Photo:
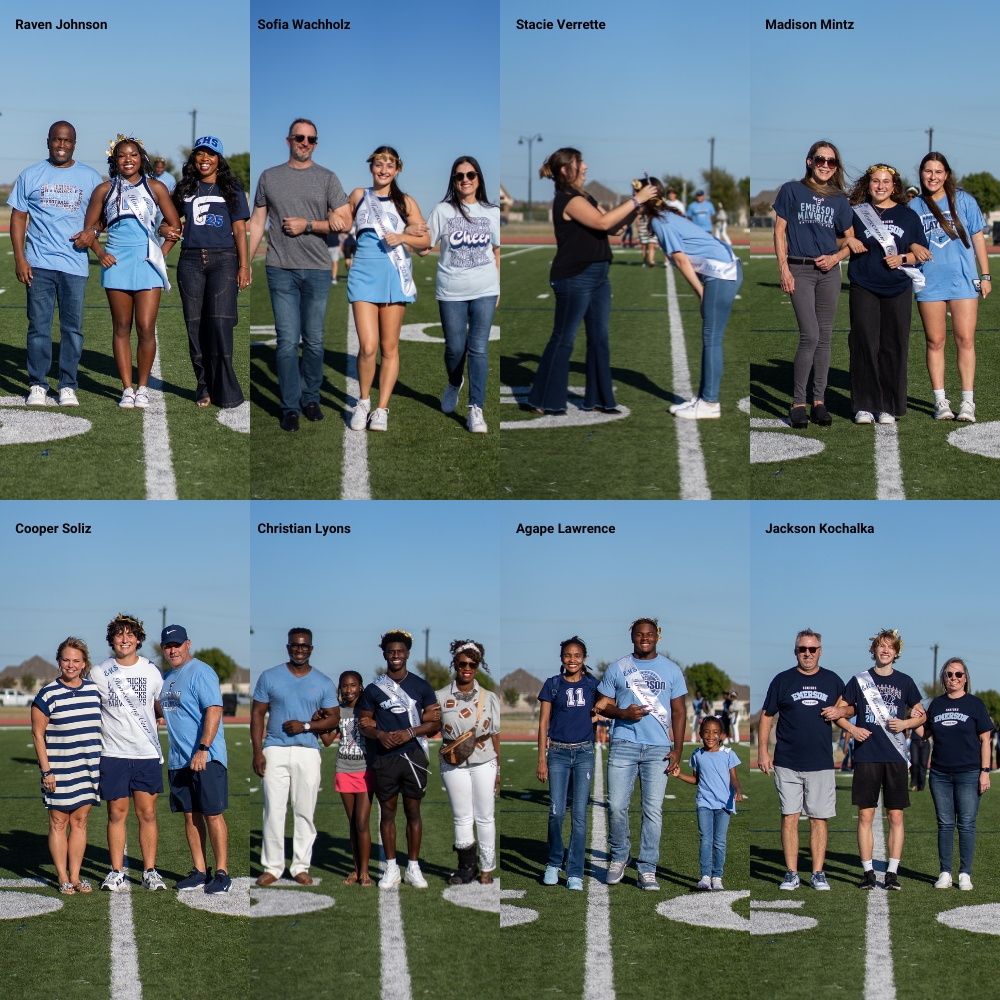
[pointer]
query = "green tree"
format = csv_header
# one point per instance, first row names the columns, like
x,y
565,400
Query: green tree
x,y
745,190
991,699
239,163
722,187
511,696
598,668
222,663
707,678
435,673
679,184
28,682
985,188
931,690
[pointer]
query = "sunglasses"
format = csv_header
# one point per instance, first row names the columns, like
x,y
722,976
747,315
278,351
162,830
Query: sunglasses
x,y
470,176
311,139
300,645
807,649
951,673
825,161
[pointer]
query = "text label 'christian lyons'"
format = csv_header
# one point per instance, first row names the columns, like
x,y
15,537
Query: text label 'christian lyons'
x,y
303,529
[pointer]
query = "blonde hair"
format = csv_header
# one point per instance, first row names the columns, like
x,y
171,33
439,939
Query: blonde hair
x,y
78,644
947,664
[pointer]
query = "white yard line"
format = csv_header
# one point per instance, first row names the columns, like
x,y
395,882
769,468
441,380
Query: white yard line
x,y
598,978
888,471
395,969
354,472
880,983
125,982
160,482
694,480
514,253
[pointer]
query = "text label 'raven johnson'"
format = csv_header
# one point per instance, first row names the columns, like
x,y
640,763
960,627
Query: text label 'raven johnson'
x,y
820,529
565,529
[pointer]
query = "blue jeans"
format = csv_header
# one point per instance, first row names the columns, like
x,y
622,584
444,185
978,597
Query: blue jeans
x,y
715,308
298,300
713,824
47,288
956,796
625,761
563,764
476,316
587,298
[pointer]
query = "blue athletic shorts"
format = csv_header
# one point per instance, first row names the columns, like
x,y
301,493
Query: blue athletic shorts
x,y
205,792
121,776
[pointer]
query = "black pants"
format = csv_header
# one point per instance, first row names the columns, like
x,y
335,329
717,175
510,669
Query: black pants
x,y
208,283
920,754
879,341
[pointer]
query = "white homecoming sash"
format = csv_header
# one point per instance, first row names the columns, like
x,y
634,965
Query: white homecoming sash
x,y
638,686
400,697
124,692
870,218
724,271
140,208
875,702
398,255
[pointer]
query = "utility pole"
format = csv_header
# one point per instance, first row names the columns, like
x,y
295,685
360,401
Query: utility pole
x,y
163,618
529,140
194,125
934,676
711,164
930,149
427,646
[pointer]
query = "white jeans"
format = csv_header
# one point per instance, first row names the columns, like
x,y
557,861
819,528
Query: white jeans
x,y
295,769
470,790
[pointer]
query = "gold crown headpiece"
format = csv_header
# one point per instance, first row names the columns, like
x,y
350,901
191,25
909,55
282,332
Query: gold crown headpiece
x,y
129,620
399,164
112,143
658,201
885,633
653,621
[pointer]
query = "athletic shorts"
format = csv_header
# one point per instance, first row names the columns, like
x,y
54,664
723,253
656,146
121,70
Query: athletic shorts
x,y
813,794
355,781
891,778
334,253
121,776
396,775
205,792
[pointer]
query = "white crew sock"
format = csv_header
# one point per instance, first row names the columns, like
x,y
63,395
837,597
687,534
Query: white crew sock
x,y
938,395
390,863
413,865
967,395
867,865
893,865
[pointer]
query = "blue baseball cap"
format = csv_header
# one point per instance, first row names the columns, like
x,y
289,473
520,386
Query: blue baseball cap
x,y
173,633
210,143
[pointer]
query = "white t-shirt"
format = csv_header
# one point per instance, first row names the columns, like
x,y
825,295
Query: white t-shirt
x,y
468,268
122,734
676,203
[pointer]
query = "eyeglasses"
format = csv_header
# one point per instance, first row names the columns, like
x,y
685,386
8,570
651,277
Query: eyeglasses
x,y
470,176
311,139
299,645
825,161
951,673
804,650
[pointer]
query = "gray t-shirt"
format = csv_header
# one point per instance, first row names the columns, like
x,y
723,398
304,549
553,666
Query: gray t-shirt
x,y
353,754
305,194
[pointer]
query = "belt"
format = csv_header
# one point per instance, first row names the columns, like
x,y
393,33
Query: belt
x,y
801,260
556,745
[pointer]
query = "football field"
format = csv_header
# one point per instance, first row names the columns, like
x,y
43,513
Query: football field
x,y
130,945
97,451
674,944
918,458
918,942
642,453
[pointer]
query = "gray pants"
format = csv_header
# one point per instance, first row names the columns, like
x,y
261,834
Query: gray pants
x,y
815,303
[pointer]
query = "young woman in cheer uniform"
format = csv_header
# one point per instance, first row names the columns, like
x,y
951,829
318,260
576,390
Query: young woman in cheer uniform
x,y
133,269
953,225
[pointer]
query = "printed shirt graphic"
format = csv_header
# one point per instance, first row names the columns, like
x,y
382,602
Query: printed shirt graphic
x,y
956,725
389,716
950,274
353,753
814,221
700,213
467,268
899,694
569,721
664,680
122,735
56,200
715,790
458,715
804,739
868,269
185,695
207,219
291,697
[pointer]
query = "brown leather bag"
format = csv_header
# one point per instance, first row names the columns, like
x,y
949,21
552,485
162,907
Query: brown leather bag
x,y
460,750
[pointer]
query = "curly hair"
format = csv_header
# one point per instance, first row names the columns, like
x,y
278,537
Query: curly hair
x,y
886,635
145,167
78,644
396,635
126,623
861,190
227,182
475,651
710,718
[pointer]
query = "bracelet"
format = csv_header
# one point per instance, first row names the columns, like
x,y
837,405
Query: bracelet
x,y
45,774
636,203
985,277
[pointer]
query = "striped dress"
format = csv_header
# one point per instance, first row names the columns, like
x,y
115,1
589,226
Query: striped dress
x,y
73,743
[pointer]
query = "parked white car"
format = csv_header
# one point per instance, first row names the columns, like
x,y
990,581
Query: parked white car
x,y
11,697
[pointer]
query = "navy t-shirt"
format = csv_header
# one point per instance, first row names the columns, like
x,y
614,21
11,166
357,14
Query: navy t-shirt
x,y
571,708
390,715
869,269
956,725
208,223
814,220
804,740
899,693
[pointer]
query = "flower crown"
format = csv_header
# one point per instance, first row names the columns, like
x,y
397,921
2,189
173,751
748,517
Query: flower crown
x,y
113,143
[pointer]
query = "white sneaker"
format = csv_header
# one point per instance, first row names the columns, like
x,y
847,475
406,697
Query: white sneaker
x,y
886,418
647,881
967,411
151,880
414,876
359,418
705,883
698,409
379,420
944,881
717,883
942,410
128,399
115,881
964,882
475,423
449,399
37,395
142,397
863,417
391,878
67,397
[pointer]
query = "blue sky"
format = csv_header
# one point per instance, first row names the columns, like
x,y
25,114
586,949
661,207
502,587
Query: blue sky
x,y
646,93
930,571
90,82
419,77
190,557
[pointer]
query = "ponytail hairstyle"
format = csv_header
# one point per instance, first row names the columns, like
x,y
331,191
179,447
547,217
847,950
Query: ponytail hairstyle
x,y
949,190
475,651
574,641
835,185
81,646
568,158
397,196
657,206
861,190
452,196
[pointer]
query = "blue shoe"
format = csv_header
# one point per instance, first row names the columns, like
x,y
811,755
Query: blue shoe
x,y
193,880
575,883
551,876
221,882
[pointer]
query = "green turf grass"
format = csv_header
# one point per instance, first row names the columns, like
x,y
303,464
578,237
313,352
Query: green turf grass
x,y
634,458
336,952
426,454
183,953
653,956
106,463
929,958
932,468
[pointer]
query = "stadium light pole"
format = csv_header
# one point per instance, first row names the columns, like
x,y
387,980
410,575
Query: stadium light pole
x,y
529,140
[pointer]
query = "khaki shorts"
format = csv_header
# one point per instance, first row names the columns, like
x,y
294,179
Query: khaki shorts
x,y
811,793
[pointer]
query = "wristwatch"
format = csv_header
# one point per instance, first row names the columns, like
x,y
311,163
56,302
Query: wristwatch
x,y
307,726
201,746
309,226
986,769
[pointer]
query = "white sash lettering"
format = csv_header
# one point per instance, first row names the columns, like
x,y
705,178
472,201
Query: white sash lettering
x,y
398,254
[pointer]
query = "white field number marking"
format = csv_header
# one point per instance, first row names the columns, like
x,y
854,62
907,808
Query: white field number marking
x,y
715,909
245,899
575,416
776,447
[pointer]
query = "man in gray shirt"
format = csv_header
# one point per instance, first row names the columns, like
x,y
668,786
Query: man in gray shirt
x,y
297,200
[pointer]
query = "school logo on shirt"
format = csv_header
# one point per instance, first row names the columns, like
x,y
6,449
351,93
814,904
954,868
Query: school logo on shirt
x,y
200,214
138,686
809,696
951,718
470,241
68,197
816,212
654,681
170,700
936,236
891,695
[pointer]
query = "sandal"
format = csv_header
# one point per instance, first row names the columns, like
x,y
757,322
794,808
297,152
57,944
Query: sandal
x,y
204,401
66,888
486,878
364,879
83,886
351,879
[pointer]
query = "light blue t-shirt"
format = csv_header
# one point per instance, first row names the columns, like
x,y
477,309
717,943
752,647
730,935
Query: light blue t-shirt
x,y
949,275
715,790
677,234
56,200
700,213
291,697
185,695
663,678
166,178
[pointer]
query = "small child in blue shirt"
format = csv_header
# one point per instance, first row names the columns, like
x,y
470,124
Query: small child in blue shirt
x,y
714,767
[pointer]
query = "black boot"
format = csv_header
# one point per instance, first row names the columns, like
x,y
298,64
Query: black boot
x,y
466,870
